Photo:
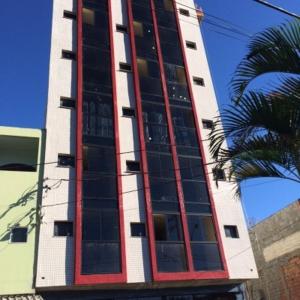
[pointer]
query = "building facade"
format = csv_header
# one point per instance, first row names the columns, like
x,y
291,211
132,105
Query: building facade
x,y
134,203
21,152
276,246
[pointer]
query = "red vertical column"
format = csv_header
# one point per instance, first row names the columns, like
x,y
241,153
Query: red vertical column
x,y
144,164
214,216
78,212
173,144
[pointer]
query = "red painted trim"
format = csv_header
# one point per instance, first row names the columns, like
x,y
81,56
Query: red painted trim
x,y
143,155
173,148
214,215
195,275
97,278
78,212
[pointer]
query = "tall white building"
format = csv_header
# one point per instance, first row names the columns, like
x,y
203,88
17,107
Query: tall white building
x,y
132,209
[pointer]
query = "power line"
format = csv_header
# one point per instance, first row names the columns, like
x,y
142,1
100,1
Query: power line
x,y
278,8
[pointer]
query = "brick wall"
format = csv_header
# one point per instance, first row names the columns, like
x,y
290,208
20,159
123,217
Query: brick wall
x,y
276,247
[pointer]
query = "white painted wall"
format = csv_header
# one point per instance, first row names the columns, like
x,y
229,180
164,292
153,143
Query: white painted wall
x,y
55,254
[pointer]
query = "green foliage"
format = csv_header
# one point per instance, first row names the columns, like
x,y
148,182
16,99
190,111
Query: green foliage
x,y
262,127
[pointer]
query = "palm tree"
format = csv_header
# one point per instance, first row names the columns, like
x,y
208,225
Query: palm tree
x,y
262,126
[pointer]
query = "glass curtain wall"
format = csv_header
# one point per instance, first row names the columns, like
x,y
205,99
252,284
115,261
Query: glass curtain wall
x,y
169,243
202,235
100,215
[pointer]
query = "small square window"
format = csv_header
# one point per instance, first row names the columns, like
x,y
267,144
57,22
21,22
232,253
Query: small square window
x,y
67,102
207,124
125,67
69,15
121,28
68,54
18,235
138,229
133,166
184,12
128,112
231,231
198,81
63,228
66,160
191,45
219,174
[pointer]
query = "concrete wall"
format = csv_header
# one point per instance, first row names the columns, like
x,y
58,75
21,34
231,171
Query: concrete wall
x,y
276,245
55,259
18,207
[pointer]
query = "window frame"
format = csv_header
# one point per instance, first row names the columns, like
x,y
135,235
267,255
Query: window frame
x,y
68,54
144,228
66,155
198,81
231,231
121,28
125,67
136,162
191,45
184,12
68,14
216,174
71,100
128,109
205,122
63,221
11,235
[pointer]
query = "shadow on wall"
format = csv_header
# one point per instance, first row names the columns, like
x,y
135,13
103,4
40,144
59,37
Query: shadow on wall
x,y
27,218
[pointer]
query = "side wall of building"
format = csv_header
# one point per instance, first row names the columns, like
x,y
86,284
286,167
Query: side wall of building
x,y
19,192
276,246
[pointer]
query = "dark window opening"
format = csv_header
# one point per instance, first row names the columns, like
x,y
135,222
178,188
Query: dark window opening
x,y
219,174
121,28
201,228
66,160
19,235
198,81
125,67
207,124
67,102
138,229
184,12
191,45
133,166
231,231
63,228
167,227
18,167
128,112
69,15
68,54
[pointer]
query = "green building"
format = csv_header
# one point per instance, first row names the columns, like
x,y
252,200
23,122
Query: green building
x,y
21,152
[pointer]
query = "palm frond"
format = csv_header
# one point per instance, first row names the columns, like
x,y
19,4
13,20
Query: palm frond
x,y
274,50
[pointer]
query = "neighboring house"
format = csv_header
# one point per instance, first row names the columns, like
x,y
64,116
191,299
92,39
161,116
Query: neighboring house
x,y
276,246
135,212
20,186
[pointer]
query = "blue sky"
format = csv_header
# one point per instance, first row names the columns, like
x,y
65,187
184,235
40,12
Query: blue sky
x,y
24,59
